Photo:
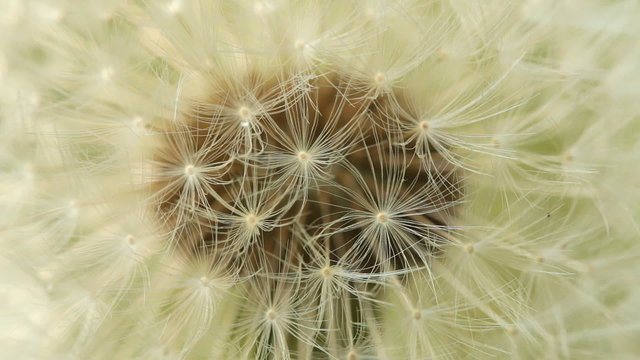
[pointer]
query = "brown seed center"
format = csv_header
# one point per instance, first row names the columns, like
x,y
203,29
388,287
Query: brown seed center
x,y
291,213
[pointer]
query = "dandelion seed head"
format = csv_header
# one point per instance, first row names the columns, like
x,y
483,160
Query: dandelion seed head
x,y
322,179
311,158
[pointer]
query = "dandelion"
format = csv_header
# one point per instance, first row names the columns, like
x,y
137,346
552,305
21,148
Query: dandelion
x,y
281,179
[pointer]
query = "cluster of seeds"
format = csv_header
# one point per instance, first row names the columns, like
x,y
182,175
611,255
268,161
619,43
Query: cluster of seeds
x,y
319,179
289,172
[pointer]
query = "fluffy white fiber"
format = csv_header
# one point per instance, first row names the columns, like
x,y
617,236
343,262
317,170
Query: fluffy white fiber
x,y
384,179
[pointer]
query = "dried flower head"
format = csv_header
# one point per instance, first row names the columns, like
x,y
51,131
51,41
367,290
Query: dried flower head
x,y
277,179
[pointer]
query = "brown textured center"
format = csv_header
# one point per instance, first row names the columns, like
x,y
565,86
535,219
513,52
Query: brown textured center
x,y
274,174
